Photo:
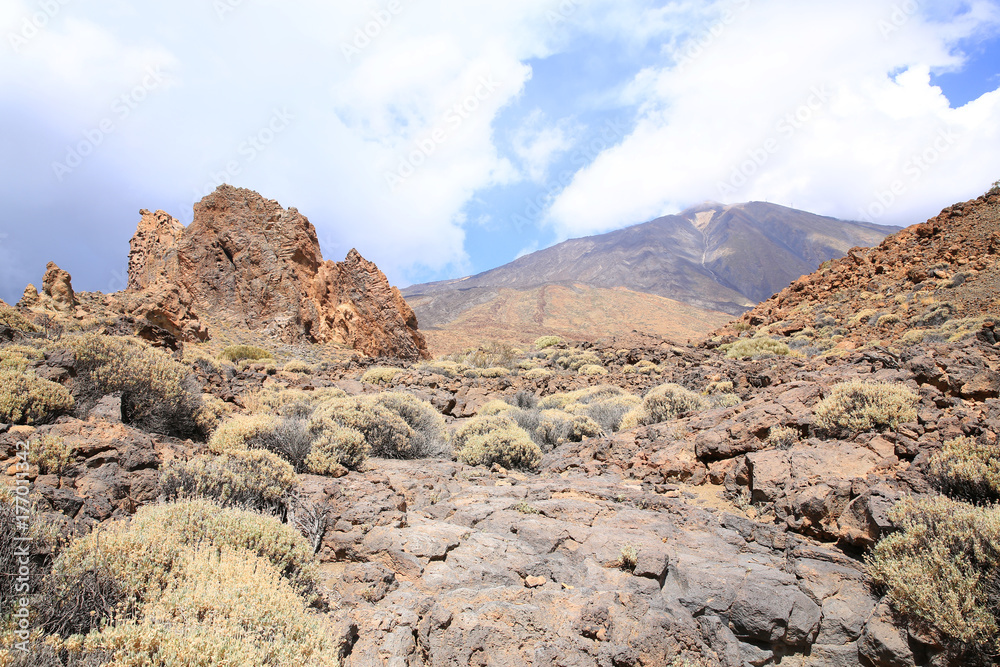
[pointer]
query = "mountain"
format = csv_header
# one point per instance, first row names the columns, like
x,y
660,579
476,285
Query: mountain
x,y
719,259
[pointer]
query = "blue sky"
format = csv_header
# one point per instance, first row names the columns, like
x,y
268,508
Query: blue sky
x,y
443,139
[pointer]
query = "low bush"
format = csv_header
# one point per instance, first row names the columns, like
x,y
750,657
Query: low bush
x,y
663,403
782,437
856,406
237,353
495,407
497,439
9,317
755,348
298,366
50,454
593,369
547,341
240,432
158,394
27,399
941,569
381,375
335,448
187,584
556,427
254,479
968,470
387,434
429,434
538,374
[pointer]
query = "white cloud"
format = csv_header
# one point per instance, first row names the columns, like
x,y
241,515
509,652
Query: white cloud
x,y
537,143
722,117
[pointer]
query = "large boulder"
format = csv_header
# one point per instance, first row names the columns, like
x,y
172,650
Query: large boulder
x,y
250,263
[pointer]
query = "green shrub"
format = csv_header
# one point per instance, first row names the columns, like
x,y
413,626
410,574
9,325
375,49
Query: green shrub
x,y
942,569
755,348
381,375
26,399
335,448
9,317
237,353
158,394
856,406
189,584
967,470
254,479
663,403
497,439
547,341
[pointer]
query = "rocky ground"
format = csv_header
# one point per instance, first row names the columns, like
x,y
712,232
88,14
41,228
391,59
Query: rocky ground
x,y
702,540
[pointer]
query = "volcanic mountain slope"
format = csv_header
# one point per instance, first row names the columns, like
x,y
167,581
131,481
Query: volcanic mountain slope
x,y
721,259
935,281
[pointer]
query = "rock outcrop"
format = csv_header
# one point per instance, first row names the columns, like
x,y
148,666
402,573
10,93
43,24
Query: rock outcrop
x,y
57,286
248,263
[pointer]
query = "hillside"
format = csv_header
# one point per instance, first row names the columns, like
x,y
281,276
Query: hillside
x,y
717,257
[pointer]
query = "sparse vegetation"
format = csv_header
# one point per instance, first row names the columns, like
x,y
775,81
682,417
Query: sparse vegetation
x,y
497,439
381,374
27,399
253,479
782,437
856,406
50,454
755,348
9,317
237,353
967,470
547,341
942,568
158,394
663,403
628,558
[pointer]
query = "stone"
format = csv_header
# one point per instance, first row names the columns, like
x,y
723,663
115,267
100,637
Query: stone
x,y
58,289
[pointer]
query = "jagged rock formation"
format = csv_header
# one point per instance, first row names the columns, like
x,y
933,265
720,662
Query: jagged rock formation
x,y
246,262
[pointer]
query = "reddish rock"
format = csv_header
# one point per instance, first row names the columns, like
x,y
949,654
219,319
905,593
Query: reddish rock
x,y
57,287
249,263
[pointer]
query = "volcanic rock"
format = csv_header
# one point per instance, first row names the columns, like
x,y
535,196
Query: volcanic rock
x,y
252,264
57,287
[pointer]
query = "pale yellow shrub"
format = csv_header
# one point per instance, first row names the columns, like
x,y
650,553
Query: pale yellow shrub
x,y
755,348
495,407
546,341
939,569
966,469
237,353
158,393
240,431
252,478
335,447
11,318
50,454
782,437
538,374
298,366
496,439
27,399
857,406
663,403
593,369
556,427
387,434
428,432
381,375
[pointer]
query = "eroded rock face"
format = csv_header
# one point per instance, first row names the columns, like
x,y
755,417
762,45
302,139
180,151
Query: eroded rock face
x,y
249,263
57,286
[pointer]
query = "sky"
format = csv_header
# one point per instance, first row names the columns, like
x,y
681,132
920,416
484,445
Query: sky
x,y
445,138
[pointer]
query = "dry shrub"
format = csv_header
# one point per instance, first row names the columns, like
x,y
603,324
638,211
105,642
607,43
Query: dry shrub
x,y
593,370
27,399
429,437
967,470
538,374
335,448
195,584
755,348
298,366
240,431
556,427
50,454
856,406
547,341
495,407
254,479
663,403
941,569
387,434
291,402
158,394
9,317
237,353
782,437
381,375
496,439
